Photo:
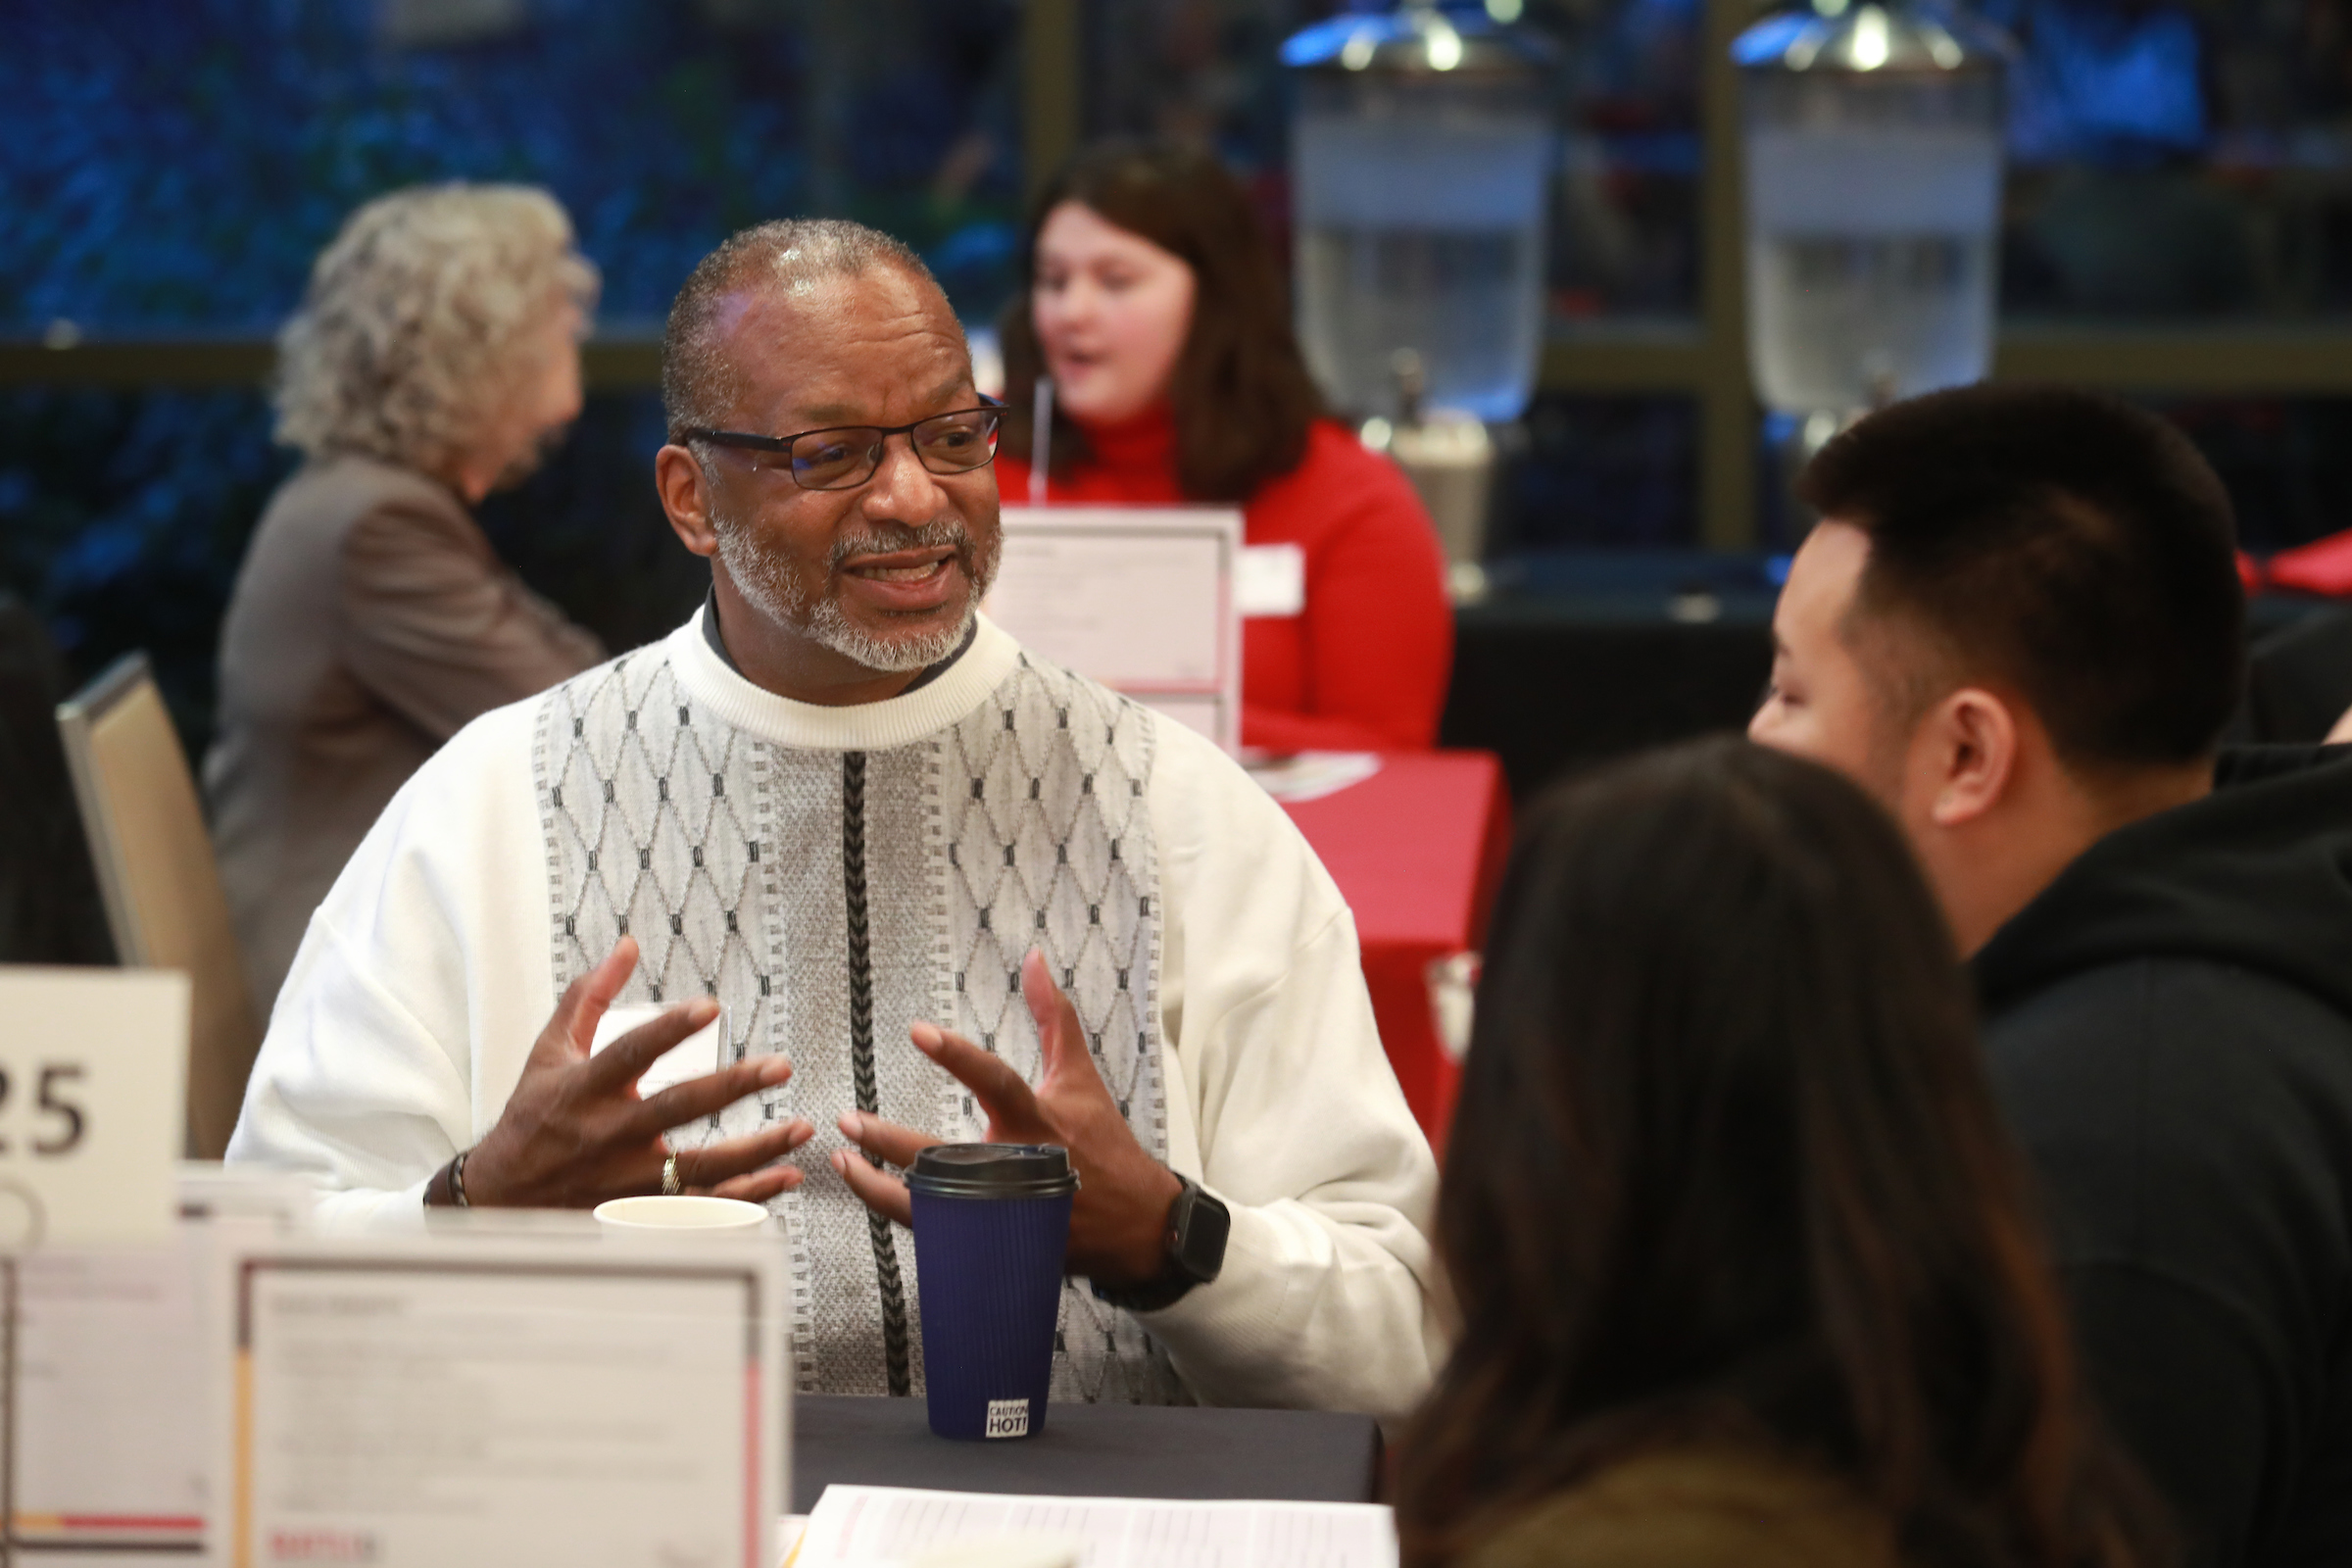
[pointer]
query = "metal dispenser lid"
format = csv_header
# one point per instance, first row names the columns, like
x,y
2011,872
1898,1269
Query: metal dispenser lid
x,y
1417,39
1846,36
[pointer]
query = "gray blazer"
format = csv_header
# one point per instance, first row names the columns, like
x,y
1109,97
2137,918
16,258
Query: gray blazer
x,y
369,622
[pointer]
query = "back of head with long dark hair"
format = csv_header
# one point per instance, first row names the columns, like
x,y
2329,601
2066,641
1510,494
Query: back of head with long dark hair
x,y
1726,1167
1242,396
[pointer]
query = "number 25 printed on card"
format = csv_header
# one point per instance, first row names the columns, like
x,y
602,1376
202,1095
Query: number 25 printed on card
x,y
93,1064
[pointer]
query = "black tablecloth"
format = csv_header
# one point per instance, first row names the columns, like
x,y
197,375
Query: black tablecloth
x,y
1555,687
1090,1451
1558,682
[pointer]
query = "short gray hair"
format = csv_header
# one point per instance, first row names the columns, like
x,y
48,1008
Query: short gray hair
x,y
791,253
407,335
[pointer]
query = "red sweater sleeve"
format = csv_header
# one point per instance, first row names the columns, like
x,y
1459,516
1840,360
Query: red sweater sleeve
x,y
1378,629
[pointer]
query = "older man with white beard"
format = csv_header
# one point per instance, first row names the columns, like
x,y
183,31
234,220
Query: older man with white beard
x,y
931,885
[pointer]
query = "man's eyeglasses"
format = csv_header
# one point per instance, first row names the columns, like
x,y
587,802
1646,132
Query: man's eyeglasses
x,y
845,455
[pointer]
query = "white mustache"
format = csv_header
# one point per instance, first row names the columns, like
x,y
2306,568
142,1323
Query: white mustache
x,y
940,533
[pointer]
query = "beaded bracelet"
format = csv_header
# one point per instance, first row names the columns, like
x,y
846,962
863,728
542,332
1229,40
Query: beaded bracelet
x,y
447,1189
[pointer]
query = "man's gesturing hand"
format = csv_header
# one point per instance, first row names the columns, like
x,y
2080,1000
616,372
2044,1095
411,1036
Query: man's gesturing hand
x,y
1118,1221
575,1132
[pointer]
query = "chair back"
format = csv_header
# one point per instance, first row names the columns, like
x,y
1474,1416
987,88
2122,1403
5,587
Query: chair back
x,y
161,885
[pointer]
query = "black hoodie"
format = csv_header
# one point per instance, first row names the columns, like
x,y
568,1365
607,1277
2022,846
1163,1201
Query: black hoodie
x,y
2170,1025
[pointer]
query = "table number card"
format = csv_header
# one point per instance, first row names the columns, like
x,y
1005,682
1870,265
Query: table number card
x,y
477,1403
1142,598
93,1064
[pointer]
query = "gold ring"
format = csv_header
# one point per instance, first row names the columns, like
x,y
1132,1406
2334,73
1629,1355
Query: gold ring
x,y
671,1187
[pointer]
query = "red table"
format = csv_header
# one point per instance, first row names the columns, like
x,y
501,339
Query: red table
x,y
1417,848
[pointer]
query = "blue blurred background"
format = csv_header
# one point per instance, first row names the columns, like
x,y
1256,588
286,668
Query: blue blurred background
x,y
168,169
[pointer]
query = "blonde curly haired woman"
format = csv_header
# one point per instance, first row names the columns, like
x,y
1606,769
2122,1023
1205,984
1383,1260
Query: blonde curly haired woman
x,y
434,358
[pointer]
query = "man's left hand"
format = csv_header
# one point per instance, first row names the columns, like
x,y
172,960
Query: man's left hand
x,y
1118,1221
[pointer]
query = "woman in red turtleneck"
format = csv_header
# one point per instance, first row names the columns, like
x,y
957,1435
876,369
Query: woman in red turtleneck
x,y
1155,306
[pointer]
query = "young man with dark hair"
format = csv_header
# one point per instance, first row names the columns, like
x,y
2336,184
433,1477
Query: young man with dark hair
x,y
2020,626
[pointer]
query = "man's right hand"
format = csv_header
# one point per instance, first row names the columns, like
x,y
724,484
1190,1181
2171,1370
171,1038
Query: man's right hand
x,y
575,1132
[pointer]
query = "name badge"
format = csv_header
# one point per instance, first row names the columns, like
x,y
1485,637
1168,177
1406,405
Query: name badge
x,y
695,1057
1270,580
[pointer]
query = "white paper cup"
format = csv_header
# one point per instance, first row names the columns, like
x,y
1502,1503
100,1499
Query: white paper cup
x,y
680,1213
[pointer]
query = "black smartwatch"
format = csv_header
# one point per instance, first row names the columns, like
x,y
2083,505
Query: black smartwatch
x,y
1197,1227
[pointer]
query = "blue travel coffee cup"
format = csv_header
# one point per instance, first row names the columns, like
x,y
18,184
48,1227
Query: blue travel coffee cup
x,y
991,1225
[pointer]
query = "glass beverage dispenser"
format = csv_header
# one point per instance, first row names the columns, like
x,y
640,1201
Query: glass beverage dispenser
x,y
1873,143
1419,163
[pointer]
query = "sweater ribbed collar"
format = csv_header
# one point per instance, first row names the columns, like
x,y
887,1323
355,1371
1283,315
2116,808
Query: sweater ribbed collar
x,y
898,720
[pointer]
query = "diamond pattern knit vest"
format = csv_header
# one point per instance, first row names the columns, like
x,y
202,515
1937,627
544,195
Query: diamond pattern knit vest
x,y
829,899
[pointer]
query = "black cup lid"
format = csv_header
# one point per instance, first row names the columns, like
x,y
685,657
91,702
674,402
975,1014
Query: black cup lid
x,y
993,1170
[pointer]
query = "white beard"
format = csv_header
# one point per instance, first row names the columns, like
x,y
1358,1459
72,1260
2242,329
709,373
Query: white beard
x,y
773,591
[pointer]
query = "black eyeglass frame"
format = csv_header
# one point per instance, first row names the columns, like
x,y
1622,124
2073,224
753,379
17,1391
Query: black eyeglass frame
x,y
783,444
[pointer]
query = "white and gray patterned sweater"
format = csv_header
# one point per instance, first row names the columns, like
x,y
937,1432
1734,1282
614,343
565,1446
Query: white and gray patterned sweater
x,y
828,900
833,874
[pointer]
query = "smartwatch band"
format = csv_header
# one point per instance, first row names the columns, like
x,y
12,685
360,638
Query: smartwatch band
x,y
1198,1224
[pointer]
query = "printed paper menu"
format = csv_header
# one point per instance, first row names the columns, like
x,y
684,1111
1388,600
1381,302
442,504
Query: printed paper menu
x,y
444,1410
114,1399
882,1527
